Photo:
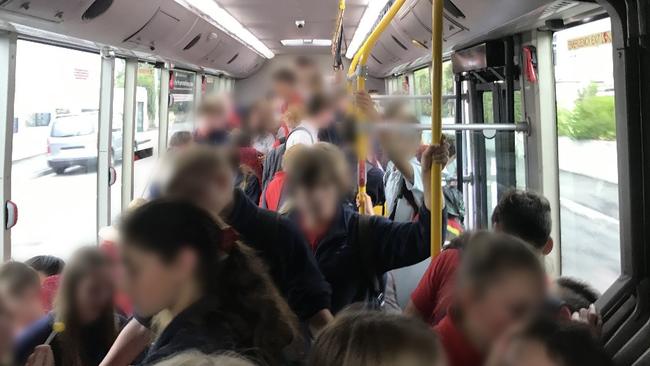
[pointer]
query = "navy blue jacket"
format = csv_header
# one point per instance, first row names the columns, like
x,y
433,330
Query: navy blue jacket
x,y
397,245
197,327
93,352
283,248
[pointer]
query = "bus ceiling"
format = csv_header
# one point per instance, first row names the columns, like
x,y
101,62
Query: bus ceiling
x,y
175,31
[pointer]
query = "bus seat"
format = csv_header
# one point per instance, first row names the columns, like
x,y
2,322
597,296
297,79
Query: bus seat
x,y
624,344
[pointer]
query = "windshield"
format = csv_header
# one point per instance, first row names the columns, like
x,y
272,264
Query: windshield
x,y
74,126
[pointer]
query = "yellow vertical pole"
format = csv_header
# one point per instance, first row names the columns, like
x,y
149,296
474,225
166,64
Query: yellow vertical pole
x,y
436,126
358,65
362,149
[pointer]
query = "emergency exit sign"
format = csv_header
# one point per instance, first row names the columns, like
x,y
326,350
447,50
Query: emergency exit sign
x,y
592,40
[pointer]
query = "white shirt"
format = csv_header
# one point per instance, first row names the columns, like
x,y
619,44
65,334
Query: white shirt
x,y
264,143
306,134
392,184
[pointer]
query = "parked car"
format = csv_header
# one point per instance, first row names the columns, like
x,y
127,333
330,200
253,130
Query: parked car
x,y
73,142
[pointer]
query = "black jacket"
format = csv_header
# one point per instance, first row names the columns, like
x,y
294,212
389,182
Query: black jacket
x,y
285,251
197,327
396,245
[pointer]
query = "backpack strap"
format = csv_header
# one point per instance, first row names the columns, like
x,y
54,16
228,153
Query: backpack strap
x,y
365,242
299,128
405,193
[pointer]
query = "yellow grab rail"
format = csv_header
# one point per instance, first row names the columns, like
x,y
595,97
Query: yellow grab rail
x,y
360,60
436,126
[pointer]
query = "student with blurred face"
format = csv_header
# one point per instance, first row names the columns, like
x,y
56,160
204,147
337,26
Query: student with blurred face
x,y
195,358
20,287
365,338
500,283
309,77
6,334
216,290
260,126
204,176
84,304
180,140
46,265
548,342
524,214
212,122
288,98
320,113
352,253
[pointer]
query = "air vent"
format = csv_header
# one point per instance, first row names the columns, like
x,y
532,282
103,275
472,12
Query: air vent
x,y
97,8
376,59
399,43
194,41
420,44
558,7
232,59
453,9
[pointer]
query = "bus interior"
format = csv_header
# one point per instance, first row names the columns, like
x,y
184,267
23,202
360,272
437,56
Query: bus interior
x,y
551,96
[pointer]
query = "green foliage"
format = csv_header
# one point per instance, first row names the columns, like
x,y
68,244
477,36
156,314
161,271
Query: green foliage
x,y
592,117
147,81
423,87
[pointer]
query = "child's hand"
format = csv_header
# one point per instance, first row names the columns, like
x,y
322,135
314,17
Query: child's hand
x,y
434,154
366,105
591,318
367,204
441,152
42,356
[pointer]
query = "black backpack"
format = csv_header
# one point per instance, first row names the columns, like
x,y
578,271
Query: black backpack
x,y
365,240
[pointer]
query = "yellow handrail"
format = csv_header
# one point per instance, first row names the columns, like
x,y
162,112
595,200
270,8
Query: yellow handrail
x,y
436,126
360,60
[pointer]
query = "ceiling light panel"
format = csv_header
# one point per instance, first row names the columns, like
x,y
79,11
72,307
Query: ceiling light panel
x,y
218,16
306,42
368,20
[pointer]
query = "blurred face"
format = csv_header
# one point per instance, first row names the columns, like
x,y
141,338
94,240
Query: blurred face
x,y
95,294
153,284
324,118
283,90
6,333
213,121
213,194
522,352
317,207
25,308
512,298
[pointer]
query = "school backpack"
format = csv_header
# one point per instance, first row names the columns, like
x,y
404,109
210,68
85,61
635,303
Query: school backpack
x,y
365,240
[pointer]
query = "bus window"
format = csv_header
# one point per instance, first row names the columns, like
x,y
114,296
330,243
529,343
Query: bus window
x,y
213,85
181,110
53,176
587,153
116,137
147,122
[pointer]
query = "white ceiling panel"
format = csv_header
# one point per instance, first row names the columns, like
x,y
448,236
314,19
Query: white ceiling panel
x,y
274,20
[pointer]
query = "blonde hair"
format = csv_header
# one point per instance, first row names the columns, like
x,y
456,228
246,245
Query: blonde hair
x,y
194,167
317,164
369,338
196,358
294,115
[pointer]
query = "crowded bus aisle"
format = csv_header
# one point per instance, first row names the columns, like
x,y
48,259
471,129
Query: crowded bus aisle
x,y
246,245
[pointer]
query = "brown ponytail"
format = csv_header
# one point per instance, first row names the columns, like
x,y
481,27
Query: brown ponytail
x,y
244,288
232,276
